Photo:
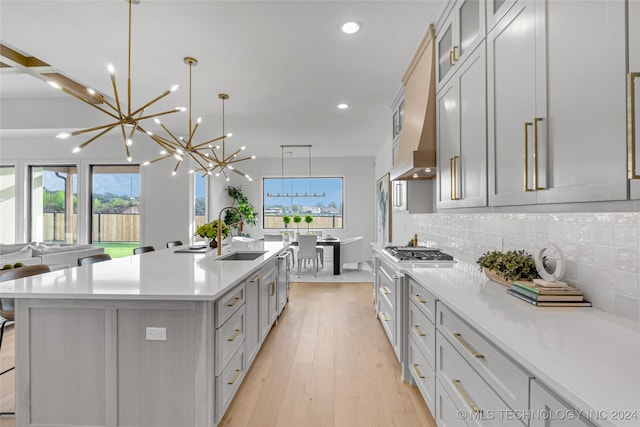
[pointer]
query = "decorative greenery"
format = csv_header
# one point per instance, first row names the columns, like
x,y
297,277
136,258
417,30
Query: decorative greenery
x,y
308,219
297,219
210,230
513,265
244,206
10,266
287,220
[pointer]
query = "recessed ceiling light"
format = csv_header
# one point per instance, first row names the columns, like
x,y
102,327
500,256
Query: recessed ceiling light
x,y
343,106
350,27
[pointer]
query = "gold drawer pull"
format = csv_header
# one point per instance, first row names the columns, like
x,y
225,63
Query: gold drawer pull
x,y
385,290
238,372
255,278
273,289
454,178
235,301
418,299
467,347
415,368
631,126
464,395
236,335
526,156
384,316
451,57
418,331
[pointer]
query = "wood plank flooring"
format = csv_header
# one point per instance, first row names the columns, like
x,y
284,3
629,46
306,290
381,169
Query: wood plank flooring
x,y
327,363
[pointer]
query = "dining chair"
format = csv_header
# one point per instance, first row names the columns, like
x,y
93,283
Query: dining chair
x,y
174,243
143,249
307,250
351,251
7,311
92,259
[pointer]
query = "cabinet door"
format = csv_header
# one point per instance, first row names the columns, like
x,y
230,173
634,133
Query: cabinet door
x,y
633,17
586,98
462,129
496,9
445,51
545,402
516,95
267,303
252,318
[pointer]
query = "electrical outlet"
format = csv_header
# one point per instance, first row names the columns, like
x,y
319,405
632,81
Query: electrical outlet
x,y
156,334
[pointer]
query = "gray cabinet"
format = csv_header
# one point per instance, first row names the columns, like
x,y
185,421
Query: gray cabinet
x,y
633,92
268,299
252,318
554,412
391,307
461,133
556,121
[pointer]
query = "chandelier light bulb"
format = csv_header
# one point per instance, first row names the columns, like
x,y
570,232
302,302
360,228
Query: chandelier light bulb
x,y
129,159
199,120
179,151
253,157
174,88
129,142
75,150
183,109
243,147
229,135
210,165
217,147
110,68
63,135
149,133
91,91
191,171
218,174
209,173
230,167
157,121
147,163
54,84
173,173
178,157
227,179
163,152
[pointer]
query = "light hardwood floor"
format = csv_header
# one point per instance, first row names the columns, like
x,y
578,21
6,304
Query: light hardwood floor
x,y
326,363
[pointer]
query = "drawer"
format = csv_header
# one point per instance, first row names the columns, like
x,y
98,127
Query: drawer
x,y
423,332
387,288
228,382
508,379
446,413
423,374
424,299
229,303
229,338
468,391
386,318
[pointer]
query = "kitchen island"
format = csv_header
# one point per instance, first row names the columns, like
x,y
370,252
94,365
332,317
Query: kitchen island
x,y
158,339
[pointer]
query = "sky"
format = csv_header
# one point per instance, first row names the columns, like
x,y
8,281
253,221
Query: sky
x,y
118,184
332,187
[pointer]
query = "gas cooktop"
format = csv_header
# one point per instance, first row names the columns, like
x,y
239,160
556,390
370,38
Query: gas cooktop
x,y
419,255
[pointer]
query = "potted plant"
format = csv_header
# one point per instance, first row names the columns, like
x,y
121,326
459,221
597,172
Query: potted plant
x,y
244,206
308,219
507,267
210,231
297,219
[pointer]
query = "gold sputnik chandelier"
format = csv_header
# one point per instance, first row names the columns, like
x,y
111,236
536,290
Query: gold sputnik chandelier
x,y
204,154
127,120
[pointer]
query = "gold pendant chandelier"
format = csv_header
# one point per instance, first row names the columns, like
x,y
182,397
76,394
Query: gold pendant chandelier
x,y
204,153
128,120
296,194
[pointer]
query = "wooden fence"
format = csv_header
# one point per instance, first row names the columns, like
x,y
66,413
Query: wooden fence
x,y
106,227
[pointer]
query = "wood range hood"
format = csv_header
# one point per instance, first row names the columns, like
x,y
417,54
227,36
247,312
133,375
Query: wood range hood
x,y
416,155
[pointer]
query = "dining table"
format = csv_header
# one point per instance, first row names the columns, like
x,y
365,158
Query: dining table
x,y
335,243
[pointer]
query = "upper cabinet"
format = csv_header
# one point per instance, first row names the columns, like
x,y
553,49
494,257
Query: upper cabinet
x,y
633,95
461,133
458,35
557,103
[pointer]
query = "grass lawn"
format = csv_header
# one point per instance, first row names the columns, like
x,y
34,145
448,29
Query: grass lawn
x,y
117,249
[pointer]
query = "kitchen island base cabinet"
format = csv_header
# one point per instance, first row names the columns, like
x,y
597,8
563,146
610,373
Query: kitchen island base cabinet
x,y
89,362
252,340
551,411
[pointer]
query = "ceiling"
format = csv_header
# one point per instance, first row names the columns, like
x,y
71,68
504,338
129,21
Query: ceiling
x,y
285,65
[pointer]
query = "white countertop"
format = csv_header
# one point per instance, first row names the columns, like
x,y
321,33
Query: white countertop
x,y
589,357
158,275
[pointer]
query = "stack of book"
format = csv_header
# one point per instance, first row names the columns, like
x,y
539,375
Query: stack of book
x,y
548,295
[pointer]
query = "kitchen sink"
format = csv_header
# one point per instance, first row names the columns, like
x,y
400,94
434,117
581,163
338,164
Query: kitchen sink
x,y
242,256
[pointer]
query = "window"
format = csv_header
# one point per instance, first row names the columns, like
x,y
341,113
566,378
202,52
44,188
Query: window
x,y
54,204
286,196
200,200
115,208
7,204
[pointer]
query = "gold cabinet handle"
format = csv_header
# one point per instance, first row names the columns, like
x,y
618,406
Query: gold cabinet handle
x,y
418,331
535,153
526,156
235,301
455,57
273,288
465,396
255,278
417,298
385,290
236,335
384,316
455,177
467,347
451,184
451,57
415,368
238,372
631,125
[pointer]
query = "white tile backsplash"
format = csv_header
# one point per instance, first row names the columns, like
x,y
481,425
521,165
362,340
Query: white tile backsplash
x,y
602,249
